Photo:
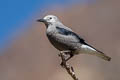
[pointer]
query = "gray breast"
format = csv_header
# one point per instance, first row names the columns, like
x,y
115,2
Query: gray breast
x,y
62,39
57,43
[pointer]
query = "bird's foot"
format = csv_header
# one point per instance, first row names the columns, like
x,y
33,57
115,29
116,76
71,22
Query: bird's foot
x,y
66,52
62,64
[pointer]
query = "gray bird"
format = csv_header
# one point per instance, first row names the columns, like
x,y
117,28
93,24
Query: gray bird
x,y
66,40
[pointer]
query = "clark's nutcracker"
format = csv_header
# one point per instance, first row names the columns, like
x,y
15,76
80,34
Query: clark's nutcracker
x,y
66,40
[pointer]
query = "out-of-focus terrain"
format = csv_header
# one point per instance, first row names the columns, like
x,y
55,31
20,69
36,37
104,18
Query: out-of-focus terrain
x,y
32,57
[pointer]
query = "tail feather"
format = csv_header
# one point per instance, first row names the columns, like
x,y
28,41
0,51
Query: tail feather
x,y
87,49
103,56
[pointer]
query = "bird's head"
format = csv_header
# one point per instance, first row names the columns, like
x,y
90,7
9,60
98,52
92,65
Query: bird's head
x,y
49,19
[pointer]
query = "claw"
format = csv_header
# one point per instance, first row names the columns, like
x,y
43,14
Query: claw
x,y
62,64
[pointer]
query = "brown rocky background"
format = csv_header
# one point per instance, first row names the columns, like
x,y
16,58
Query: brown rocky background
x,y
31,57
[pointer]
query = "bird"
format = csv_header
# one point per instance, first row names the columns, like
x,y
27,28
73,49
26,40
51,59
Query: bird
x,y
67,41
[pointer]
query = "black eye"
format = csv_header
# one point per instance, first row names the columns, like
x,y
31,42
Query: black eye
x,y
50,17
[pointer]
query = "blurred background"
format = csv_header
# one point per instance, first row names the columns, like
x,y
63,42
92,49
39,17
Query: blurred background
x,y
26,54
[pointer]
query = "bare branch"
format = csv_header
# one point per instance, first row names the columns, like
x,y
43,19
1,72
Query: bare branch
x,y
68,68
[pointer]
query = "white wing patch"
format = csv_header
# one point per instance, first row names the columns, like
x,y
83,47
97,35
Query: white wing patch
x,y
87,47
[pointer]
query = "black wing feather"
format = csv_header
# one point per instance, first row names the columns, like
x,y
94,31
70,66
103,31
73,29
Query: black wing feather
x,y
68,32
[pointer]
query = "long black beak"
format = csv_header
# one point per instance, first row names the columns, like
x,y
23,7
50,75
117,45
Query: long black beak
x,y
41,20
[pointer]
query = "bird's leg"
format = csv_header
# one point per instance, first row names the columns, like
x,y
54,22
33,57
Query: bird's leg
x,y
67,52
71,55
